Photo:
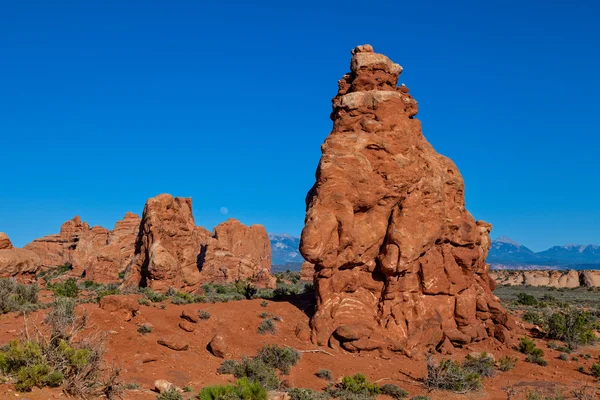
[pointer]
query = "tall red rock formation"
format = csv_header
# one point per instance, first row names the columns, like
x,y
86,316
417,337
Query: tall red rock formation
x,y
400,263
167,246
307,271
237,252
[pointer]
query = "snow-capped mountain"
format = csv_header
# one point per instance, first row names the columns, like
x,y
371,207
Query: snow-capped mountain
x,y
284,249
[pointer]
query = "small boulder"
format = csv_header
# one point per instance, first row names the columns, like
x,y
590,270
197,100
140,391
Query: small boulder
x,y
173,343
126,305
187,326
303,332
162,386
190,316
218,346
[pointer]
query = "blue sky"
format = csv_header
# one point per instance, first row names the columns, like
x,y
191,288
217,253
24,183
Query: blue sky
x,y
104,104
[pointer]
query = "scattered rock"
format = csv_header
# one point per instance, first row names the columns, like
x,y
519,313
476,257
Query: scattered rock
x,y
190,316
187,326
126,305
174,343
19,263
399,261
218,346
303,332
162,386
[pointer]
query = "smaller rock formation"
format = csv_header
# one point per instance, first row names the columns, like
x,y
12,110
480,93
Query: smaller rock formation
x,y
307,271
237,252
187,326
218,346
173,342
127,306
5,243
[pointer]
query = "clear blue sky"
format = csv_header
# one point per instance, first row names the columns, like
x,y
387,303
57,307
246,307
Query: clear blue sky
x,y
104,104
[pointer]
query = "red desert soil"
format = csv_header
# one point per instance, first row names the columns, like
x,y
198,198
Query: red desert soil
x,y
143,360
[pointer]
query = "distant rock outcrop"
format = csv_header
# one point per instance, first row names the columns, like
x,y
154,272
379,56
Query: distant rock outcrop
x,y
17,263
171,251
400,262
552,278
307,271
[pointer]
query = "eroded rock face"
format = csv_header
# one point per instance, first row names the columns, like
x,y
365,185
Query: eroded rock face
x,y
5,242
167,246
554,278
399,261
237,252
58,249
307,271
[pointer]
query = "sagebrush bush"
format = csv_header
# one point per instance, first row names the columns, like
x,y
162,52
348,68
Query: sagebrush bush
x,y
528,346
144,329
536,359
394,391
281,358
563,356
574,327
481,364
533,318
595,369
267,326
354,387
67,288
507,363
202,314
449,375
526,299
144,301
170,395
17,297
257,370
227,367
325,374
306,394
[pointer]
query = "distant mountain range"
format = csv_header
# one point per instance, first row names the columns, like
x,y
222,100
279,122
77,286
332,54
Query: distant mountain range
x,y
505,253
285,252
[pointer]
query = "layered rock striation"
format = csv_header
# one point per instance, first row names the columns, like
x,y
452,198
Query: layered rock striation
x,y
399,261
552,278
17,263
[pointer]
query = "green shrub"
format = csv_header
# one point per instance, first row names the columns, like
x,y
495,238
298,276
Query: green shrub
x,y
107,290
596,369
144,301
54,272
527,346
202,314
449,375
533,318
267,326
17,297
264,303
281,358
306,394
526,299
507,363
187,389
178,297
67,288
354,387
256,370
572,327
420,398
170,395
563,356
393,391
153,296
227,367
536,359
144,329
244,389
481,364
325,374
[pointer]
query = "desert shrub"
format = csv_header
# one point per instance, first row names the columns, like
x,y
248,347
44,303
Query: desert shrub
x,y
203,314
17,297
216,293
144,329
187,389
257,370
449,375
306,394
267,326
131,386
54,272
62,318
281,358
227,367
244,389
420,398
595,369
553,345
144,301
536,359
526,300
572,327
393,391
533,318
527,346
563,356
107,290
507,363
246,289
354,387
153,296
67,288
587,356
481,364
264,303
581,369
574,358
178,297
325,374
170,395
